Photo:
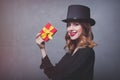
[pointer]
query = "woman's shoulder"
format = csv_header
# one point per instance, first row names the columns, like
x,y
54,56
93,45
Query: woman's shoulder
x,y
86,50
84,53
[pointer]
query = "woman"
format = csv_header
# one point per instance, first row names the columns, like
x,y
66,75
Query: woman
x,y
78,62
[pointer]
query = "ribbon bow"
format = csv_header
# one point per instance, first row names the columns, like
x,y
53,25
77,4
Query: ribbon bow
x,y
47,32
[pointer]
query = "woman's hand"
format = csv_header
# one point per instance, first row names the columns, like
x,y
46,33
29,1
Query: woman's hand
x,y
39,41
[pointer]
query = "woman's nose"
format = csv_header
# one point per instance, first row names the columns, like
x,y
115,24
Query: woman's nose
x,y
70,27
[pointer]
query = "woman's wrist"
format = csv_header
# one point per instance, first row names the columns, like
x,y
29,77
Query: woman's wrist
x,y
41,47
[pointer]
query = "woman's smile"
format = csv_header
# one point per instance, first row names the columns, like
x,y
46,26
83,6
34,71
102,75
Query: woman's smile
x,y
72,33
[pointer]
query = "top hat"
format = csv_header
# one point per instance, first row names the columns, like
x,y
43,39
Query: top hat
x,y
79,13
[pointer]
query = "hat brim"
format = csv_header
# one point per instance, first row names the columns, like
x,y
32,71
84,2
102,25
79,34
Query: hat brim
x,y
91,21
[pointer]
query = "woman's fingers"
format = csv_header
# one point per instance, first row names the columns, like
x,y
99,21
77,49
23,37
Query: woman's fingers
x,y
38,34
40,42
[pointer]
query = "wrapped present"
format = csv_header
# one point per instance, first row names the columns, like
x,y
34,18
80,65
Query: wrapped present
x,y
47,32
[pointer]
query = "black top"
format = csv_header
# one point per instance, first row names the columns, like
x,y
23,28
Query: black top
x,y
79,66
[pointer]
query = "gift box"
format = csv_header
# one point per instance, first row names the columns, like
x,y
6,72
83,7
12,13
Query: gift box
x,y
47,32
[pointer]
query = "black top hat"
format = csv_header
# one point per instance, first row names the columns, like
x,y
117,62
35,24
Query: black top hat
x,y
79,13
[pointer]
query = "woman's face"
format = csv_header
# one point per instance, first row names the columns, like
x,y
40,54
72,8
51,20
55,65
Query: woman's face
x,y
74,30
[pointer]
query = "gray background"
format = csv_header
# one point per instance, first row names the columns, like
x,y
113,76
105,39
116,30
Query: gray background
x,y
21,20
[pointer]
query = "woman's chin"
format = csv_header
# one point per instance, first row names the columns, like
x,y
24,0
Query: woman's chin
x,y
73,38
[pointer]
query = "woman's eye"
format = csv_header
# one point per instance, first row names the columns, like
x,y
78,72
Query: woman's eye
x,y
76,24
68,25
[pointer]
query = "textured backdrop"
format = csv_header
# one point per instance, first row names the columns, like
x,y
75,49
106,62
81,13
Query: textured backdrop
x,y
21,20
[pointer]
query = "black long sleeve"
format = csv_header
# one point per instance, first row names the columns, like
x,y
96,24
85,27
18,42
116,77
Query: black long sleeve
x,y
77,67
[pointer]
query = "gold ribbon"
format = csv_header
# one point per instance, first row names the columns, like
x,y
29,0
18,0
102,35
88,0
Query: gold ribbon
x,y
47,32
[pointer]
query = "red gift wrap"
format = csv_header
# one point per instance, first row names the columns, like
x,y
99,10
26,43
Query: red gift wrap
x,y
47,32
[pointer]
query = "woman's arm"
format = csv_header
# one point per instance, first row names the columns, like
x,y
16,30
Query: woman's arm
x,y
46,64
43,51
